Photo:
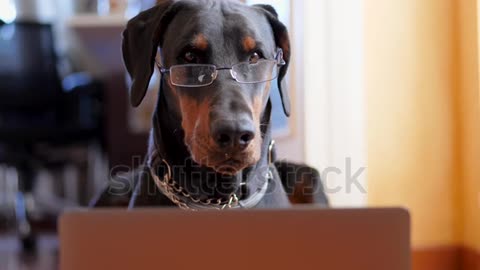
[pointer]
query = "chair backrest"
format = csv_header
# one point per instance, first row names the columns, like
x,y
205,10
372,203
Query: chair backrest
x,y
28,72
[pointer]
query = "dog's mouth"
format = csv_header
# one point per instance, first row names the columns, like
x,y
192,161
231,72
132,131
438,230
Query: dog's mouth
x,y
223,162
231,165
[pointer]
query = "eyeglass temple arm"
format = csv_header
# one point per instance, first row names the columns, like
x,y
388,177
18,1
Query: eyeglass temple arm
x,y
279,57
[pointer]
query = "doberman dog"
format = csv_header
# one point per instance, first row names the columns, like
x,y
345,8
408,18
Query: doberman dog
x,y
210,146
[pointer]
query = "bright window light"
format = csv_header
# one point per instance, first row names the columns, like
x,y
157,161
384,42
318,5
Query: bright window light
x,y
8,13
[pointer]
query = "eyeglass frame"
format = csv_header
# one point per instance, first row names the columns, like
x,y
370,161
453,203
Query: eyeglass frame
x,y
278,59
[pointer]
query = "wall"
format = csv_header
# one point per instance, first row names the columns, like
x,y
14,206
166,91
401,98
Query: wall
x,y
409,78
469,116
422,80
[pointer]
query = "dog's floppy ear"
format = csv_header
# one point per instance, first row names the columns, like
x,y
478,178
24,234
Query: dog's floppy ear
x,y
282,41
141,38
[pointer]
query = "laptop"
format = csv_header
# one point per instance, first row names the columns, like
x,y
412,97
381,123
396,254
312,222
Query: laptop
x,y
330,239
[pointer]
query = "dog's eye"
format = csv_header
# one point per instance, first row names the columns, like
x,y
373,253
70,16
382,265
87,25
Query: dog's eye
x,y
254,58
190,57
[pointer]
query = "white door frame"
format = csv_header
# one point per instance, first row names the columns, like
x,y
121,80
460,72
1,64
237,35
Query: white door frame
x,y
334,95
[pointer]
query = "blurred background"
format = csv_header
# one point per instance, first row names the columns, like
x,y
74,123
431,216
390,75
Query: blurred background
x,y
386,104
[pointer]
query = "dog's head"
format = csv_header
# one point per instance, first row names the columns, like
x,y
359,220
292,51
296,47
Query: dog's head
x,y
219,58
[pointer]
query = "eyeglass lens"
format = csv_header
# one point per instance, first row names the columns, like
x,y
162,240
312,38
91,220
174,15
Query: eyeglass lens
x,y
262,71
186,75
202,75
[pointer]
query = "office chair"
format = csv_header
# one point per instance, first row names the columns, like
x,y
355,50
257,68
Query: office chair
x,y
37,109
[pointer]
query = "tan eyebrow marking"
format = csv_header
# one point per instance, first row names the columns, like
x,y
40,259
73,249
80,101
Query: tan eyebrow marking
x,y
249,43
200,42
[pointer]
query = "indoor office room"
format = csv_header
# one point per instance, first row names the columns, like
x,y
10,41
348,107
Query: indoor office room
x,y
246,134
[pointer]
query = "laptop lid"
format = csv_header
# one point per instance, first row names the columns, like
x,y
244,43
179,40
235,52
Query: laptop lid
x,y
369,239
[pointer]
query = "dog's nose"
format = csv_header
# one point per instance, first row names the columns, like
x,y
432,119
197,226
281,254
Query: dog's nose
x,y
233,134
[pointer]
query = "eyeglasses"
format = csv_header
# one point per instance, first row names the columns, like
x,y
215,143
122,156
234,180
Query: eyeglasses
x,y
199,75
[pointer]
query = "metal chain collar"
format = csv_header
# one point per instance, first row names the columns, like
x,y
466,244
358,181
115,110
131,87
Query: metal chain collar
x,y
179,196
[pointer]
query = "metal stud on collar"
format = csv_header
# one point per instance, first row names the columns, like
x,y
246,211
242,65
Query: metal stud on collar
x,y
270,151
